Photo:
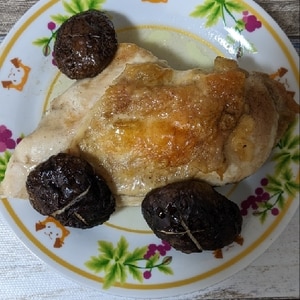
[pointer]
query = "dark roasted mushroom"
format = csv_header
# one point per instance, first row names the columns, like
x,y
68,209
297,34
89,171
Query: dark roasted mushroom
x,y
85,44
191,216
66,188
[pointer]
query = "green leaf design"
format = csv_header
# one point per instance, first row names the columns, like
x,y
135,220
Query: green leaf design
x,y
98,264
296,157
291,188
121,249
280,201
165,269
287,175
284,141
275,185
135,273
121,273
203,10
240,25
41,41
111,276
283,160
293,142
213,16
3,163
72,7
152,261
265,207
59,18
133,257
231,6
283,183
76,6
208,10
118,262
214,10
263,216
95,4
289,150
106,248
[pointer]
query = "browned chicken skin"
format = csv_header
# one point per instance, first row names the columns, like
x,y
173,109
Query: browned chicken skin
x,y
143,125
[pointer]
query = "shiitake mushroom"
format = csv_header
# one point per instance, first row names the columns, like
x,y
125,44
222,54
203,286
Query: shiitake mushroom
x,y
191,216
85,44
66,188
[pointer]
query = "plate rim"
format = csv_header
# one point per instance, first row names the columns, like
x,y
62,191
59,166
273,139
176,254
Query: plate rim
x,y
38,7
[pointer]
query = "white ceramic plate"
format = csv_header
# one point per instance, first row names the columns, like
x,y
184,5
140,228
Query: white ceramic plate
x,y
187,35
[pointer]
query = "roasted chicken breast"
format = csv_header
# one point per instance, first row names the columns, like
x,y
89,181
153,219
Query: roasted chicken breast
x,y
142,125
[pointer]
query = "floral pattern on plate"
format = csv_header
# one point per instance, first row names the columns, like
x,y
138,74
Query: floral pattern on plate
x,y
117,262
71,8
125,261
213,11
7,143
270,196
